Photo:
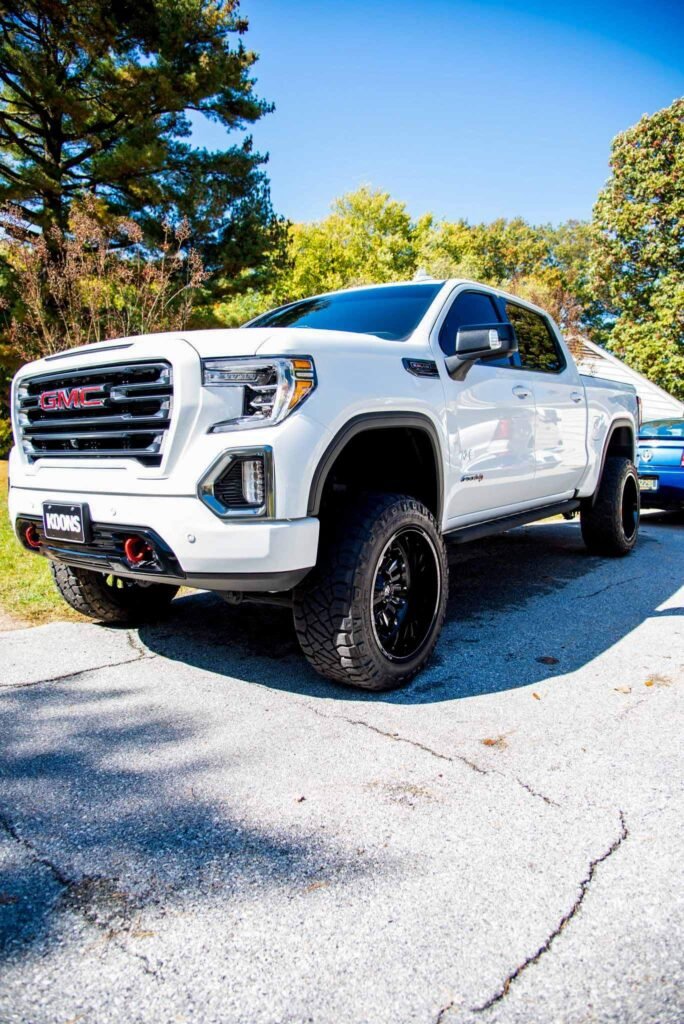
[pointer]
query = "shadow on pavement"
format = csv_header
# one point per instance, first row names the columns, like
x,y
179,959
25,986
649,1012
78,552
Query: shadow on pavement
x,y
70,798
506,604
120,773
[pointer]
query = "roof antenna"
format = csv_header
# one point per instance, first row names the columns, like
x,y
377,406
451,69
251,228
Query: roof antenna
x,y
422,275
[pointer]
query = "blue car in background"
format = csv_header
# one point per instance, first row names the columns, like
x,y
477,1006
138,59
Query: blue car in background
x,y
660,461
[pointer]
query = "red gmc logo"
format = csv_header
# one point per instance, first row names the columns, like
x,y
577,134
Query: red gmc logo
x,y
71,398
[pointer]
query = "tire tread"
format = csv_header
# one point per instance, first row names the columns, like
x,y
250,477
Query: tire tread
x,y
601,521
329,628
87,592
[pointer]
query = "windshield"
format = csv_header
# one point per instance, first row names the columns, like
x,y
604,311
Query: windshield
x,y
663,428
391,312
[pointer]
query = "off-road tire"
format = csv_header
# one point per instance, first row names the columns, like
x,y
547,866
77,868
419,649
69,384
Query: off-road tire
x,y
111,598
610,524
334,609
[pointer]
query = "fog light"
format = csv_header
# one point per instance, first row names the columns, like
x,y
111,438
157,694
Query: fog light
x,y
253,481
240,484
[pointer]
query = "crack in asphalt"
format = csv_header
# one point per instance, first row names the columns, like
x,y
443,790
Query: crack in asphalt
x,y
584,885
136,644
609,586
70,884
535,792
141,654
36,857
443,1012
416,743
450,758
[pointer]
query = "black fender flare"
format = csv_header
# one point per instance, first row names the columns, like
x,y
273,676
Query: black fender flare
x,y
374,421
615,425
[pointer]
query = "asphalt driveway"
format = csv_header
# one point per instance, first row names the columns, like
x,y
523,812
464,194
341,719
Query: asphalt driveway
x,y
195,828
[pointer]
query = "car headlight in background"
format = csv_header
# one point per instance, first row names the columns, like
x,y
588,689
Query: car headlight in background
x,y
271,387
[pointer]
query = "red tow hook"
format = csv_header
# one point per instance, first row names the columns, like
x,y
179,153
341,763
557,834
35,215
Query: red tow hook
x,y
137,550
32,537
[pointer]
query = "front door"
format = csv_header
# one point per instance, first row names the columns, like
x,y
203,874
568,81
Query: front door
x,y
491,422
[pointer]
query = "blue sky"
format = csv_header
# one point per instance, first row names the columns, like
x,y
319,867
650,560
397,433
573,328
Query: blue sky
x,y
467,110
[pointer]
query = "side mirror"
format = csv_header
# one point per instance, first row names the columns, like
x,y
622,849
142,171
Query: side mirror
x,y
481,341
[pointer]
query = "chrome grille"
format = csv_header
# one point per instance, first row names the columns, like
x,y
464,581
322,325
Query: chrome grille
x,y
130,420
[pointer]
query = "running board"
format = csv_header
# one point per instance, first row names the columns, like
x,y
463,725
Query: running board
x,y
475,531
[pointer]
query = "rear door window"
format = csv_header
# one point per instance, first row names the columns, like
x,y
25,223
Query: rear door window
x,y
537,347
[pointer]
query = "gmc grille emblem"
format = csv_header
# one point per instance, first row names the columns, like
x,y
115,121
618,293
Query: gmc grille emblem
x,y
71,398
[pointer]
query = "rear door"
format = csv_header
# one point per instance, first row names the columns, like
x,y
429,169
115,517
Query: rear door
x,y
560,451
491,420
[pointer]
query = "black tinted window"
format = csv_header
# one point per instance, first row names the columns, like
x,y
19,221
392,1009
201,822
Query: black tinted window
x,y
390,312
537,348
470,309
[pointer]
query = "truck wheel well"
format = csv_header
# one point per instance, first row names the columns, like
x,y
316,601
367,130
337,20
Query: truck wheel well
x,y
397,460
621,443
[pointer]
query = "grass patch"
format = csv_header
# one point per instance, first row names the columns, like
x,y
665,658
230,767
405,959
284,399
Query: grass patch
x,y
27,593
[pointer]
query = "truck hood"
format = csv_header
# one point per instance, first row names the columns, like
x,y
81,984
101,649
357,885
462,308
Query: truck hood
x,y
274,341
208,344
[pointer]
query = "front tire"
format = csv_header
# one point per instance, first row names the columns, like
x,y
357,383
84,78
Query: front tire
x,y
610,524
111,598
370,613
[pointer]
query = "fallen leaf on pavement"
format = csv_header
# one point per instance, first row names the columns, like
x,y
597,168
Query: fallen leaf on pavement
x,y
314,886
495,741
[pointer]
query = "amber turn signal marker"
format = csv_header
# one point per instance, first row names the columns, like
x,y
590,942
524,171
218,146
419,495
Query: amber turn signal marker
x,y
301,388
302,364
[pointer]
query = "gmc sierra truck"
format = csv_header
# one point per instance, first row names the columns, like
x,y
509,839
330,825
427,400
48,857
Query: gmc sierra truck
x,y
321,456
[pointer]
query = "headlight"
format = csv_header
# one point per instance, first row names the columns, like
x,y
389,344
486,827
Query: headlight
x,y
271,388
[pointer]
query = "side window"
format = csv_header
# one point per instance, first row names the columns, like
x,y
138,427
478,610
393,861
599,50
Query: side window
x,y
537,347
468,309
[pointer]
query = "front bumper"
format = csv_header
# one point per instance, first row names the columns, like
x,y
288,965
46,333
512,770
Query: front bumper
x,y
199,549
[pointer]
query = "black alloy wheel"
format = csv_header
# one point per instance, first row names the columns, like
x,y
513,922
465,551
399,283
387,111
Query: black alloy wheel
x,y
406,594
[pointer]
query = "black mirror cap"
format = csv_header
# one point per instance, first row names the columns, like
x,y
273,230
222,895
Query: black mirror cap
x,y
480,341
483,339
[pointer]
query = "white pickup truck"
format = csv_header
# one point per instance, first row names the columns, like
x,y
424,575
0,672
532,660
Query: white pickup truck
x,y
321,456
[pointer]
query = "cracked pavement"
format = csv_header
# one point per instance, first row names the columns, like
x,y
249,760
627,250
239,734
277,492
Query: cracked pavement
x,y
194,827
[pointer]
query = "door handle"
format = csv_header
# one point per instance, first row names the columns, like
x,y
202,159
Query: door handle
x,y
520,391
577,396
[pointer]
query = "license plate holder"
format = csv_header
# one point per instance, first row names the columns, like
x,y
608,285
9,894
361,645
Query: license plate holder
x,y
648,483
70,522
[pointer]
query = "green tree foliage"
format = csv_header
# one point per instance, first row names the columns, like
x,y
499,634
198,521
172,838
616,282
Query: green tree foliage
x,y
367,238
9,364
638,257
370,238
83,290
95,97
